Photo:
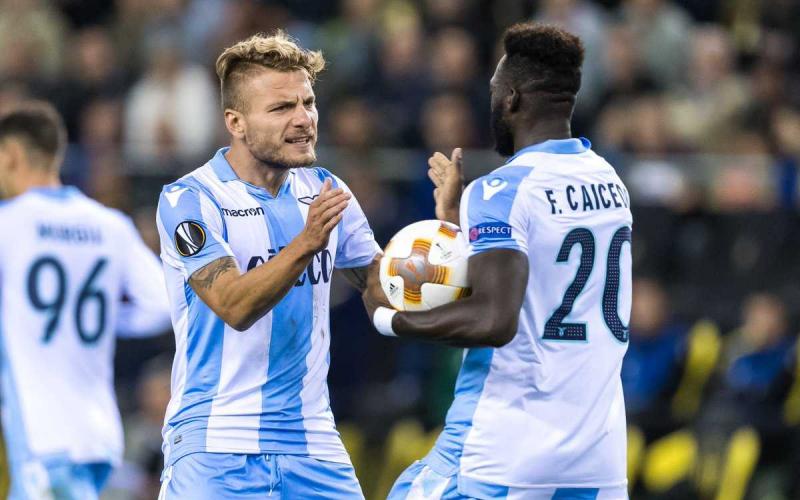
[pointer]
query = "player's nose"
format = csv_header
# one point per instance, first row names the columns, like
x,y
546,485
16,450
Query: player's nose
x,y
302,117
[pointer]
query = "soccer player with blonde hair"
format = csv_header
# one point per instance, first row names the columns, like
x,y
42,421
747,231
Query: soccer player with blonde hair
x,y
249,242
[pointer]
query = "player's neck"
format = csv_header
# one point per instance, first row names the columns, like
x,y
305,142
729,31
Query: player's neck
x,y
37,180
255,172
540,133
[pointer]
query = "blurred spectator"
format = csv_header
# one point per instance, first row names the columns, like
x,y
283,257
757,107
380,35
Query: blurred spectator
x,y
350,43
11,92
780,14
32,35
742,182
242,18
455,68
351,125
662,31
768,88
758,350
785,127
402,81
201,25
171,114
143,428
756,353
753,385
469,15
145,220
447,123
195,24
652,176
442,13
652,366
649,134
625,75
352,128
92,71
453,59
94,163
95,64
704,113
128,27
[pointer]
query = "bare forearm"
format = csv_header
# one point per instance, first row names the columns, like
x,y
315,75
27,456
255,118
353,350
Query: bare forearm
x,y
452,216
260,289
244,299
464,323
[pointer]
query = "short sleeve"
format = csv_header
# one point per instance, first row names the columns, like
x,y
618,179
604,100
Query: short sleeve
x,y
145,311
492,215
357,246
191,228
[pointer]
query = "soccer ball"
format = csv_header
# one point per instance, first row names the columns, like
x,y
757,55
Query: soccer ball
x,y
425,266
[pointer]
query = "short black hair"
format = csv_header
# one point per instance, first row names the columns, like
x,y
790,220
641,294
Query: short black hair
x,y
543,58
39,125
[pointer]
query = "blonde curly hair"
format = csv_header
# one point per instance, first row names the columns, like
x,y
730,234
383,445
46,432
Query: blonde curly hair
x,y
278,51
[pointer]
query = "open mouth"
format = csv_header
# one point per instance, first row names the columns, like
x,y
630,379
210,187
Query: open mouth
x,y
306,139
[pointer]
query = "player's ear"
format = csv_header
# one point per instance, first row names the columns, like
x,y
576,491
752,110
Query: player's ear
x,y
5,159
234,122
513,100
13,156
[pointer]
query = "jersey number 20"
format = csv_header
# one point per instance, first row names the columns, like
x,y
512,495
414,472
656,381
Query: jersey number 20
x,y
556,328
53,306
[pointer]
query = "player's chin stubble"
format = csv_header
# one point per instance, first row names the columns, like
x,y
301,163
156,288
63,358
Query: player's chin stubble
x,y
275,158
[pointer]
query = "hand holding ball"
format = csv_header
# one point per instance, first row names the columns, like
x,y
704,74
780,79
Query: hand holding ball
x,y
425,266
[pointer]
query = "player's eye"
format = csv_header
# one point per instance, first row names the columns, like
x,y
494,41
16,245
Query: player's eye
x,y
309,103
282,107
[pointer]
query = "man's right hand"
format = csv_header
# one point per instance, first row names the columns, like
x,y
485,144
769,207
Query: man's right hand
x,y
323,215
448,177
373,295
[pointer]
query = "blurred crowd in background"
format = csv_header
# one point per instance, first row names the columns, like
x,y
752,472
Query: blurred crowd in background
x,y
695,102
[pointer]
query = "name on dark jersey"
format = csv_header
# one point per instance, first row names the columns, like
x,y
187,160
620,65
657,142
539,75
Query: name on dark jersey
x,y
587,197
69,234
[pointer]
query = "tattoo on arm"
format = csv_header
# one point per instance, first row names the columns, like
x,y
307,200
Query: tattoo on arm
x,y
357,277
206,276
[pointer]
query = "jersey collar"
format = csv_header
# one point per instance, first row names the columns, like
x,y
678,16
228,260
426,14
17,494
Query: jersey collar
x,y
221,166
556,146
225,172
57,192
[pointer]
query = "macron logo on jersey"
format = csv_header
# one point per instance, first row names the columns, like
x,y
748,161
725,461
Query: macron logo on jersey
x,y
492,187
246,212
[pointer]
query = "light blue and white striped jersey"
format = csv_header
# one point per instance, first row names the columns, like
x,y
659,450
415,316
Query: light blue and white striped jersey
x,y
263,390
72,273
546,410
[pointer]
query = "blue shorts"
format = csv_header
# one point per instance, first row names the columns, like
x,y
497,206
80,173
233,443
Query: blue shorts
x,y
420,482
57,478
220,476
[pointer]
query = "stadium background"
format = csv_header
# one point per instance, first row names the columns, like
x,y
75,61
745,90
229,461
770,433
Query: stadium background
x,y
694,101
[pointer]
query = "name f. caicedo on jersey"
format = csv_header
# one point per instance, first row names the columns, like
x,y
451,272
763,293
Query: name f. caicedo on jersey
x,y
587,197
